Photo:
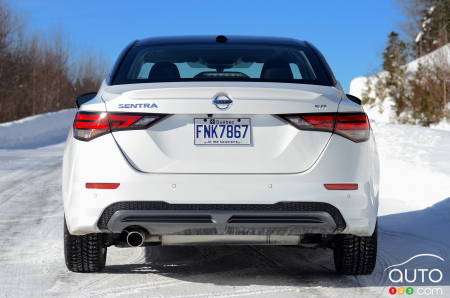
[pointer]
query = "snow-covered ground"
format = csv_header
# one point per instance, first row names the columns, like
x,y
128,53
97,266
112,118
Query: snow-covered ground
x,y
36,131
414,219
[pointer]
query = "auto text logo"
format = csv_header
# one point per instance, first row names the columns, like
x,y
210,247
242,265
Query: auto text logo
x,y
421,280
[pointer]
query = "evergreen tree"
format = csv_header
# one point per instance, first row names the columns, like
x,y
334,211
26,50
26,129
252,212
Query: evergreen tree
x,y
434,29
394,57
422,95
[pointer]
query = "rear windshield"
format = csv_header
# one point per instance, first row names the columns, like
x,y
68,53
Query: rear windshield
x,y
220,62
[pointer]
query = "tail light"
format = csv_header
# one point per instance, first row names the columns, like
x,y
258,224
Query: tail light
x,y
341,186
89,125
353,126
102,185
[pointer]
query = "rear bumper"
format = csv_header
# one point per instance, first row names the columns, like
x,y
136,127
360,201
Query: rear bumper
x,y
341,162
160,218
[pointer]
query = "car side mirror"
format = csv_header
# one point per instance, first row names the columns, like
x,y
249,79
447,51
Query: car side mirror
x,y
354,99
85,97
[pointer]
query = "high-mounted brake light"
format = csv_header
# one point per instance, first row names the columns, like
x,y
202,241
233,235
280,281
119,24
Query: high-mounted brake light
x,y
89,125
353,126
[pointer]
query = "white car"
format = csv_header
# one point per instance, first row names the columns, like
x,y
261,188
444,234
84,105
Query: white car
x,y
221,140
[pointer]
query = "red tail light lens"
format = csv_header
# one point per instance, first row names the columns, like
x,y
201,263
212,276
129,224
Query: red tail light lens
x,y
102,185
89,125
341,186
353,126
323,122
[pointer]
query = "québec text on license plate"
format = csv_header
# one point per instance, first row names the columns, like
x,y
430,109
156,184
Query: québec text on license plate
x,y
222,131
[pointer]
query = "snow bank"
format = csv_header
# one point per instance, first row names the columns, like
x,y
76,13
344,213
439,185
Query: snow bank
x,y
441,55
415,166
36,131
382,111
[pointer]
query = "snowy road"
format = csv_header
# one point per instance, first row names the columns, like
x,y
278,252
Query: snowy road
x,y
414,219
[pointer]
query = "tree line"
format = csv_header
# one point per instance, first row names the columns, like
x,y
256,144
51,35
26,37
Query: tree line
x,y
39,73
420,96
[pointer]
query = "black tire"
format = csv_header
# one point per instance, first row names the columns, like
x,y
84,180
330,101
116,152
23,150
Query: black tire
x,y
86,253
354,255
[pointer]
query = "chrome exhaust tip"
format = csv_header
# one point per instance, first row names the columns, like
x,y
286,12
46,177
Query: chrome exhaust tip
x,y
135,238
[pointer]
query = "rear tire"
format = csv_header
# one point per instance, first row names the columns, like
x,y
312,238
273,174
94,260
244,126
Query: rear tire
x,y
354,255
85,253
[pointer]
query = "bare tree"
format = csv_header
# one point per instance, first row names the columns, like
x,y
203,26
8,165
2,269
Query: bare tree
x,y
39,74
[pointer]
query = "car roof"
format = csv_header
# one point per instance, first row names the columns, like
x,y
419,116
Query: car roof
x,y
212,39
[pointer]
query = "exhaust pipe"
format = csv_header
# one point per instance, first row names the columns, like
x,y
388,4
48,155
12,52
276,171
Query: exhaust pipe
x,y
230,239
135,237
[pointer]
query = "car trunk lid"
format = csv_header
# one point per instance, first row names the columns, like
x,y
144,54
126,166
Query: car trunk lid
x,y
272,146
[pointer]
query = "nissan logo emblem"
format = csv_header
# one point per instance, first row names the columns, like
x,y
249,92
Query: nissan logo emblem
x,y
222,102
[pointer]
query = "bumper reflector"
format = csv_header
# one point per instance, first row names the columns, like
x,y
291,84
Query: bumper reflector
x,y
342,186
102,185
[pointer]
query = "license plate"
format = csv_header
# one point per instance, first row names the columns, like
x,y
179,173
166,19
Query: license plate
x,y
222,131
